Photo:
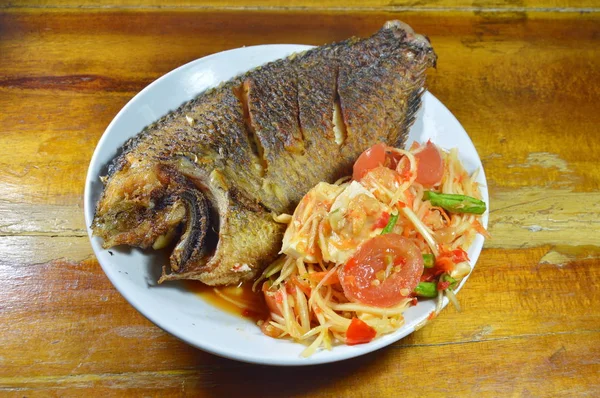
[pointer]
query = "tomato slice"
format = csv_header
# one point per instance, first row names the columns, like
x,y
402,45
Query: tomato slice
x,y
359,332
430,165
392,159
369,159
363,276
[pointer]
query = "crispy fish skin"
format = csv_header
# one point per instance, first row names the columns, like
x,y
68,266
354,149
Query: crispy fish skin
x,y
213,171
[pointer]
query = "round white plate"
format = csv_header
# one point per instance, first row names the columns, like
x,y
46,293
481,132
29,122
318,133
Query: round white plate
x,y
183,313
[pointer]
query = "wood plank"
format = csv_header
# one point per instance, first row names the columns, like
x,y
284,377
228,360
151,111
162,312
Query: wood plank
x,y
21,254
512,294
41,219
47,143
71,37
518,125
519,81
555,365
519,218
436,5
530,217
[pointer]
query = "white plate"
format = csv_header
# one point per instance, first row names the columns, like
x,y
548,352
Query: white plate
x,y
183,313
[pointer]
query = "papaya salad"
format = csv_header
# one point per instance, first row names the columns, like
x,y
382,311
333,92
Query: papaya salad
x,y
356,254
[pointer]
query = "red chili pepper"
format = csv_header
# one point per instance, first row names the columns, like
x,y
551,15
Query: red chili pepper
x,y
383,221
443,285
459,255
359,332
429,274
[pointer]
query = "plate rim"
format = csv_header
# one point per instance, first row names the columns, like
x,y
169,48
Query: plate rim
x,y
89,208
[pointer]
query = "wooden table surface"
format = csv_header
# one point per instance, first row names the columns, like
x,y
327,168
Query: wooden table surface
x,y
522,76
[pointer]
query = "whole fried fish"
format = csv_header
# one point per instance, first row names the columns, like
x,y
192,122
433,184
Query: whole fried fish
x,y
212,173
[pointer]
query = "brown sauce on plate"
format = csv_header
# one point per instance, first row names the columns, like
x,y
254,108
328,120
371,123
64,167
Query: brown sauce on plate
x,y
251,305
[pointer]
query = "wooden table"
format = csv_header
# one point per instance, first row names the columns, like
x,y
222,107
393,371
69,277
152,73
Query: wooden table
x,y
523,77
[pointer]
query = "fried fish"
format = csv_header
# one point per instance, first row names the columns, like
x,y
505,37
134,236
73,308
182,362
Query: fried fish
x,y
212,173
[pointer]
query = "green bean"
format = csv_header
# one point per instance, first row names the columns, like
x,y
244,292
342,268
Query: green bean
x,y
390,225
426,289
456,203
428,260
448,278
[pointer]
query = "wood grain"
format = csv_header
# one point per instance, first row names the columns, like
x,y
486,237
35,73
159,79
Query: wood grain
x,y
523,82
507,308
433,5
547,369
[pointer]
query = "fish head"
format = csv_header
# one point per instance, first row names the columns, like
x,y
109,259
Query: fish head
x,y
151,203
138,206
